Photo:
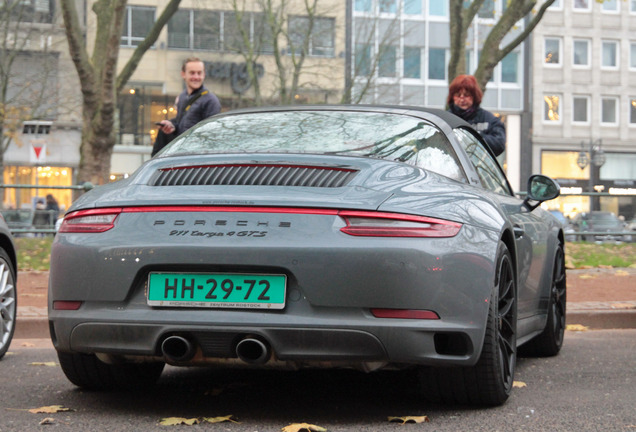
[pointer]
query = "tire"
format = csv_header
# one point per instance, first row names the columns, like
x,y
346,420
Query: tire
x,y
90,373
489,382
8,302
548,343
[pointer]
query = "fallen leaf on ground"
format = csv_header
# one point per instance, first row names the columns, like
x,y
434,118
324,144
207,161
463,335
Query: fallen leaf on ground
x,y
51,364
49,409
174,421
48,421
518,384
297,427
410,419
229,418
28,344
587,276
576,327
621,273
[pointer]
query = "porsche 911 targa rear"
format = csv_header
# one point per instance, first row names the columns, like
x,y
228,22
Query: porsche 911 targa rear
x,y
366,237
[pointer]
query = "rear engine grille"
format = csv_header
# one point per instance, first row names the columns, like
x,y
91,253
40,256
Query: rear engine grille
x,y
254,175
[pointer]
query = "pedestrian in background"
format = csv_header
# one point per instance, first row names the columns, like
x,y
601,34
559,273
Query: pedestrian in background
x,y
194,104
464,99
53,208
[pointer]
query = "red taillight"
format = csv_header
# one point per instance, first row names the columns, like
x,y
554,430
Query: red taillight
x,y
377,224
405,314
90,221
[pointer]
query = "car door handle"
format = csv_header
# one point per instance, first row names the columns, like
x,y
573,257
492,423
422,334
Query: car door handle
x,y
519,232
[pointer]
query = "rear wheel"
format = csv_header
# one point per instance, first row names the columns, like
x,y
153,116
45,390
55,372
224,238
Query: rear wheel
x,y
8,302
549,342
88,372
489,382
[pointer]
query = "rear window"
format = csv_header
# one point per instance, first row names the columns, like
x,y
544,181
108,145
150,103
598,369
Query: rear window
x,y
378,135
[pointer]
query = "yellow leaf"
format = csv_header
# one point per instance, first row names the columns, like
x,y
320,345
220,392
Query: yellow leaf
x,y
621,273
587,276
297,427
48,421
410,419
174,421
518,384
575,327
222,419
49,409
53,364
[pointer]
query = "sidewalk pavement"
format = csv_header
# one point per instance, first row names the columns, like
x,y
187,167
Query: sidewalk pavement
x,y
597,299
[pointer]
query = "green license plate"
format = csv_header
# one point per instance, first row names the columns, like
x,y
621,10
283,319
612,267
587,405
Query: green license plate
x,y
217,290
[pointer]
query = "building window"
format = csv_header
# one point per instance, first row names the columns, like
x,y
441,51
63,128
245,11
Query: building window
x,y
557,5
582,5
632,6
609,111
552,51
388,6
387,62
487,9
137,24
321,39
437,64
439,8
414,7
510,67
194,29
363,60
412,62
31,11
551,108
632,111
581,52
581,109
610,6
609,54
632,55
362,6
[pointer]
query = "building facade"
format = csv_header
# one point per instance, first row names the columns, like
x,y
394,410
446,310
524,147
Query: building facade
x,y
42,104
584,103
400,54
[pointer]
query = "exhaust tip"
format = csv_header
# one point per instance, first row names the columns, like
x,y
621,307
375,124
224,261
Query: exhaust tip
x,y
177,349
253,351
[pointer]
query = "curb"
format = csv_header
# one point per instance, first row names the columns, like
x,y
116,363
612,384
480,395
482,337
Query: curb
x,y
30,327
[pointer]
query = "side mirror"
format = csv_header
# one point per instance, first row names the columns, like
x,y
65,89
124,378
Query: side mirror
x,y
541,188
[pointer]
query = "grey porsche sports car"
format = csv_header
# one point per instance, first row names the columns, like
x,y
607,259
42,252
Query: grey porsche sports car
x,y
314,236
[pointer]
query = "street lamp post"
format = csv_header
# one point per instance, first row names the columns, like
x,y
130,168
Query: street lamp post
x,y
595,159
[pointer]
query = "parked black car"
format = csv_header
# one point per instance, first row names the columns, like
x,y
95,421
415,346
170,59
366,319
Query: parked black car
x,y
600,222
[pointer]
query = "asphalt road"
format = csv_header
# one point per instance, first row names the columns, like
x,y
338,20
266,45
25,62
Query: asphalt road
x,y
588,387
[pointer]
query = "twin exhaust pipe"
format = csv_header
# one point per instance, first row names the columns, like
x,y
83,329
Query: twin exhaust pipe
x,y
181,349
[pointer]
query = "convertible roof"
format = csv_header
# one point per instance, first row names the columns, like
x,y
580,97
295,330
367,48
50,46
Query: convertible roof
x,y
452,120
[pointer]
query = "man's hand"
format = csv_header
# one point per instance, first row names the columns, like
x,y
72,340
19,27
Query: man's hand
x,y
166,126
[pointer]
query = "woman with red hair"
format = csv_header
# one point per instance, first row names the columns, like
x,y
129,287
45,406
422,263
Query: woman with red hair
x,y
464,98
